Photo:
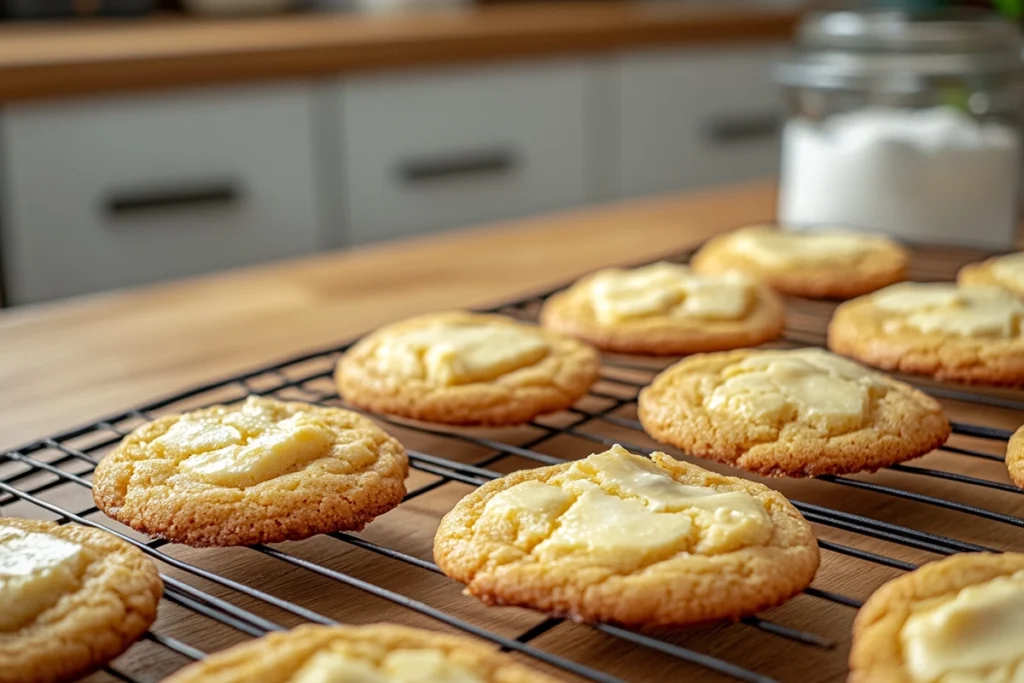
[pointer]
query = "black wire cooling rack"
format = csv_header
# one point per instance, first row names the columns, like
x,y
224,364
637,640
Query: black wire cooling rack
x,y
956,499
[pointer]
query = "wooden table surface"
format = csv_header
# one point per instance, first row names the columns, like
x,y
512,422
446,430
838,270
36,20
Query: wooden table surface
x,y
72,361
78,359
57,59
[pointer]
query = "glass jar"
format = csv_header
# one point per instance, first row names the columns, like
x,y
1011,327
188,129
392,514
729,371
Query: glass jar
x,y
904,123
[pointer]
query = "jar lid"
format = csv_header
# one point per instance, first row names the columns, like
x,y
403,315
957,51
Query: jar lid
x,y
906,50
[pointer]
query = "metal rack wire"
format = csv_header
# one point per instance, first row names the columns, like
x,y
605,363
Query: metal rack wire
x,y
203,593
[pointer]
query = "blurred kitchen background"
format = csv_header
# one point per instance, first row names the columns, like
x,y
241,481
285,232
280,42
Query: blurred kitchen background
x,y
142,141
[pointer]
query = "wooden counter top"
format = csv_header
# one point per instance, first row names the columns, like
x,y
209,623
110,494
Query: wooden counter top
x,y
60,59
66,362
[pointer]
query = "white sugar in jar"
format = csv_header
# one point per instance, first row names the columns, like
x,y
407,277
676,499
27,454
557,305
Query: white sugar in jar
x,y
905,123
926,175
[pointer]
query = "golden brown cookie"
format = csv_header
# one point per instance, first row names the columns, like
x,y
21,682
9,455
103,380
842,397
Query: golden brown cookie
x,y
1015,457
959,620
381,653
261,472
619,538
466,368
1000,271
665,309
72,598
818,265
804,412
967,333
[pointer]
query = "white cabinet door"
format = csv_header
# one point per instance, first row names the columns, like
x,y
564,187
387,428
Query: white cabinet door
x,y
425,150
691,118
124,190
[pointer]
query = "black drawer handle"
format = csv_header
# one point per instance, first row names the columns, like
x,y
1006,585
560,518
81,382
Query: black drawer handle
x,y
207,193
458,165
728,129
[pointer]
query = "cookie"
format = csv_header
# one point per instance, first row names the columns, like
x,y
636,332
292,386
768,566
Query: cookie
x,y
798,413
619,538
665,309
1015,457
960,620
261,472
381,653
966,333
830,264
466,369
72,598
1000,271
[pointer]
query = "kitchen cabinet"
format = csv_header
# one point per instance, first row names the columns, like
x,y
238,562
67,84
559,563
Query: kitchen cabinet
x,y
118,191
121,190
689,118
424,150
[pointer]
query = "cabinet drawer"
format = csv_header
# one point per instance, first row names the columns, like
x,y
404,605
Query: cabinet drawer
x,y
692,118
429,150
121,191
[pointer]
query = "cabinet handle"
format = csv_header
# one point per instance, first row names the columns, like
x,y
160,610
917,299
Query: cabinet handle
x,y
728,129
458,165
210,193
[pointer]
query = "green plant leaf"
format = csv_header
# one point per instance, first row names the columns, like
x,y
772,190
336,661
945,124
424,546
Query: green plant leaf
x,y
1011,8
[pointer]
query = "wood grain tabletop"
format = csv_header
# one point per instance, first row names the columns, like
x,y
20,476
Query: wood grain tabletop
x,y
70,362
58,59
78,359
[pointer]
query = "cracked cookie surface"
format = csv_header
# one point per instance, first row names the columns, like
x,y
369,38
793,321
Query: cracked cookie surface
x,y
956,620
619,538
818,265
72,598
796,413
665,309
380,653
466,368
261,472
999,271
965,333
